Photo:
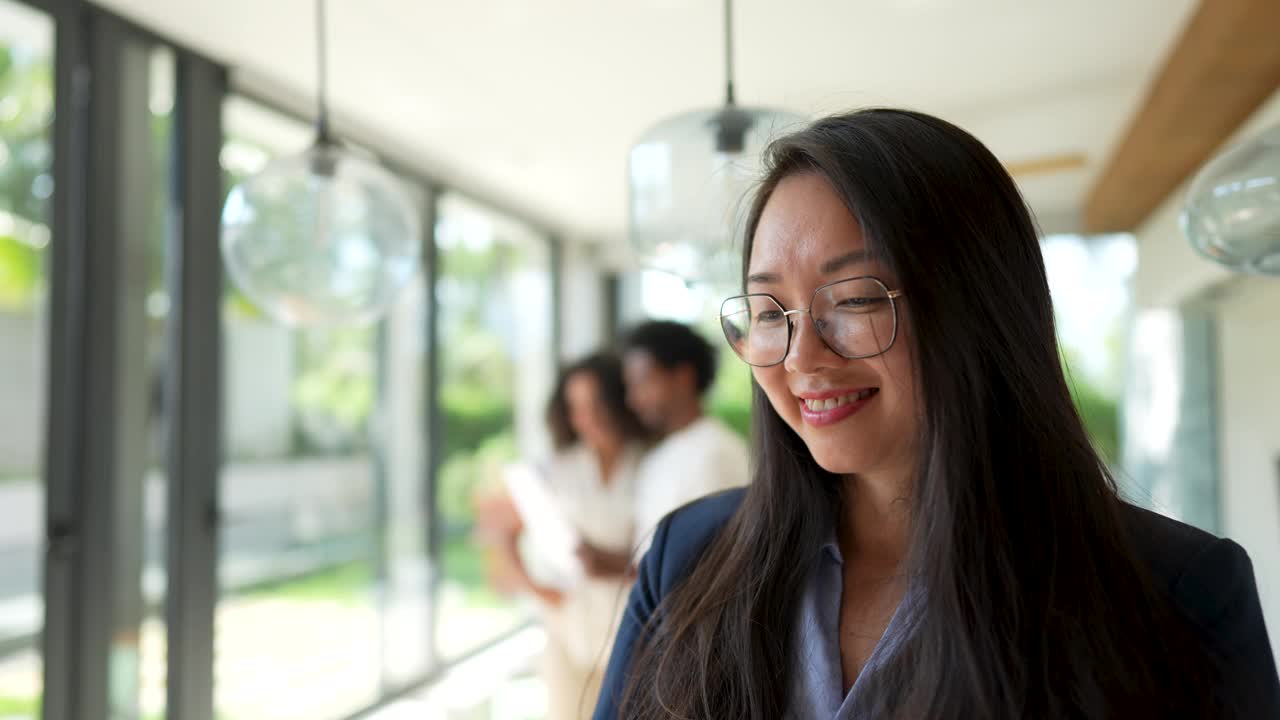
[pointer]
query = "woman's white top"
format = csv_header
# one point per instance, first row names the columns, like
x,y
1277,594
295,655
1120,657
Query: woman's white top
x,y
585,508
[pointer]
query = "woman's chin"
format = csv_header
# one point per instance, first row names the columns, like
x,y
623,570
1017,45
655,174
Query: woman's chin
x,y
838,463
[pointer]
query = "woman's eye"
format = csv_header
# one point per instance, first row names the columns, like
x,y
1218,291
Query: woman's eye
x,y
861,304
769,316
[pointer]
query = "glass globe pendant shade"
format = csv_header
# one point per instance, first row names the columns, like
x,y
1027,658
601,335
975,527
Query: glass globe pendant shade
x,y
1232,214
689,179
321,238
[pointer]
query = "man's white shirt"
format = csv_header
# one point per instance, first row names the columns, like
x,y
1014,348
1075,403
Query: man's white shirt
x,y
703,458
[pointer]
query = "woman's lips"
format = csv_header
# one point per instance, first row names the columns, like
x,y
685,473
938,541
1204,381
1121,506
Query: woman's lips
x,y
820,409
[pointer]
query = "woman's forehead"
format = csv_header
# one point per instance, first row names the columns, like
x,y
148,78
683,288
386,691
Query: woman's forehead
x,y
581,383
804,221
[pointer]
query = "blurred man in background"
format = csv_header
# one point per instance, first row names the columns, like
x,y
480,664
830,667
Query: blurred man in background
x,y
668,370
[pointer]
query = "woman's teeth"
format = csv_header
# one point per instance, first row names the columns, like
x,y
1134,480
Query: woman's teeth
x,y
835,402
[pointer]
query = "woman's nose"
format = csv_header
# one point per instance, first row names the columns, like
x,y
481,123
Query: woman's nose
x,y
808,353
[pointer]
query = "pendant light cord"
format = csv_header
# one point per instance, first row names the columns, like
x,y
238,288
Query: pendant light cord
x,y
322,100
728,52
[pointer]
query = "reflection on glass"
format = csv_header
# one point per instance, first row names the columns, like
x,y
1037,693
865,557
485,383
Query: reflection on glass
x,y
143,654
26,186
297,625
494,297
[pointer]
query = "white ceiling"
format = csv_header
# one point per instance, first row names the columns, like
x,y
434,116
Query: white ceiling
x,y
537,103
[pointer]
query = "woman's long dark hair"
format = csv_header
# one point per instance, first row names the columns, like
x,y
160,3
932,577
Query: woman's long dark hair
x,y
606,368
1033,602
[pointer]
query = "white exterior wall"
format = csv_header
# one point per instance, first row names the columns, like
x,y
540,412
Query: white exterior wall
x,y
1247,315
582,312
1249,434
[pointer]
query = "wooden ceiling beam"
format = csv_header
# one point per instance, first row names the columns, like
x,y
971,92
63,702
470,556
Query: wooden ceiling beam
x,y
1223,67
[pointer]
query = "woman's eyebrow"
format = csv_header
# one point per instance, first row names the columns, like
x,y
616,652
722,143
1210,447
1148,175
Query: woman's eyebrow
x,y
844,261
833,265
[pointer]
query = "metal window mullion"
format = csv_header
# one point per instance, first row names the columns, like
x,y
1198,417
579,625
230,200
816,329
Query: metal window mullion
x,y
96,451
611,296
194,389
434,425
380,449
557,262
64,429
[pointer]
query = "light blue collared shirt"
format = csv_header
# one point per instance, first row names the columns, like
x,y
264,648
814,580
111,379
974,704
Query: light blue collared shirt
x,y
818,691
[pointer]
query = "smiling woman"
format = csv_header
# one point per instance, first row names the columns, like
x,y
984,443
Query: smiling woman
x,y
929,531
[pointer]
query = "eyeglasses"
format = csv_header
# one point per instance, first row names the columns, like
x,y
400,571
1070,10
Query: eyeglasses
x,y
857,318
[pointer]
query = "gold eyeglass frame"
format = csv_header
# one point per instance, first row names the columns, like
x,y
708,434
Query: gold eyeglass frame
x,y
893,296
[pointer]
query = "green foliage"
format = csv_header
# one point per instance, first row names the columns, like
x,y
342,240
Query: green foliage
x,y
334,393
1101,415
476,264
343,397
464,473
161,152
476,423
471,415
26,115
730,398
19,707
20,273
477,440
475,358
26,85
1099,409
476,396
465,564
235,303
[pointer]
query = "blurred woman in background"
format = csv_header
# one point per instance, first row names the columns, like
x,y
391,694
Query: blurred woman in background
x,y
588,485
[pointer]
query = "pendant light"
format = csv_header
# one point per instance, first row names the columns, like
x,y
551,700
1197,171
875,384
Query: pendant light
x,y
1232,214
325,237
688,177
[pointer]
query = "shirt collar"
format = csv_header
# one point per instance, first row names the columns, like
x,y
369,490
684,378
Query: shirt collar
x,y
832,548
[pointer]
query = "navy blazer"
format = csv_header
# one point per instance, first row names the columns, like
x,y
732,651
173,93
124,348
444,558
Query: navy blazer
x,y
1210,579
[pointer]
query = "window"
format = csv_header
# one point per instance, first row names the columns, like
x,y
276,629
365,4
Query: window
x,y
141,652
305,489
1090,279
662,296
26,186
328,601
496,371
